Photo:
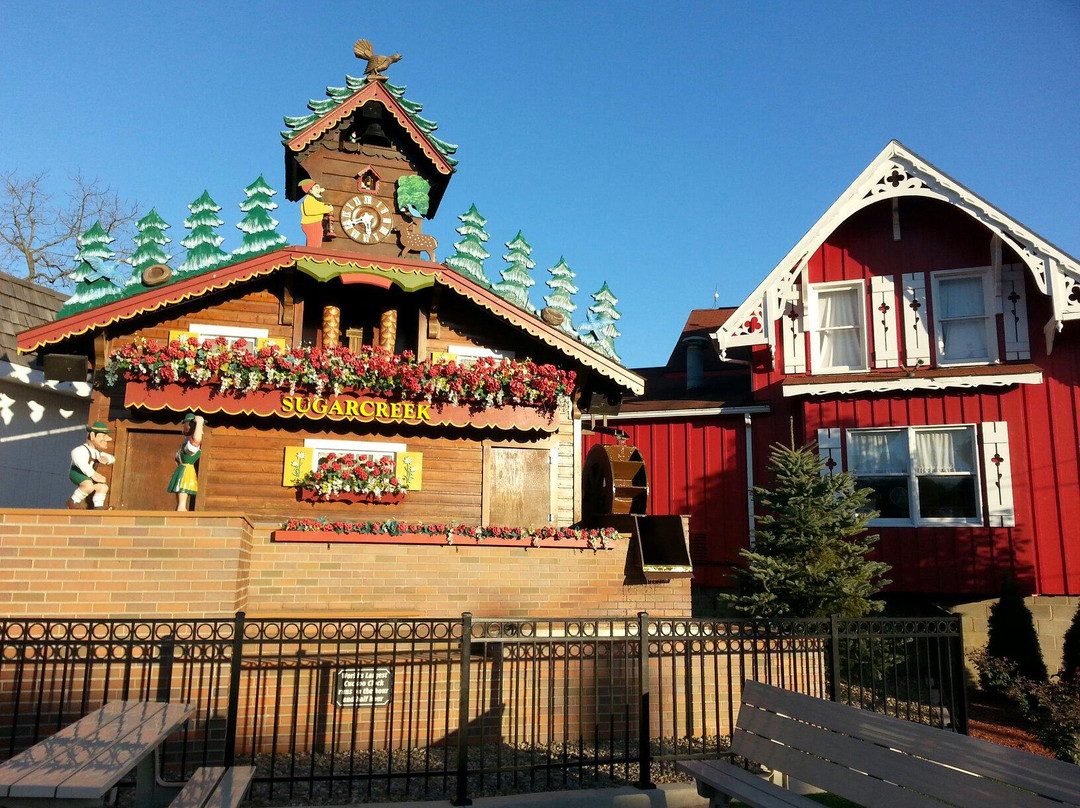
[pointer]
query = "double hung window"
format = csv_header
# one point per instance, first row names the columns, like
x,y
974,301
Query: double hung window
x,y
839,339
964,320
920,475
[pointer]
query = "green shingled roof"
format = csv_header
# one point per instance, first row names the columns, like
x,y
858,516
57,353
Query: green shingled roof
x,y
336,96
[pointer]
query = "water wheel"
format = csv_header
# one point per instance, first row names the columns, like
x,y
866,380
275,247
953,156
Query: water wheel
x,y
614,481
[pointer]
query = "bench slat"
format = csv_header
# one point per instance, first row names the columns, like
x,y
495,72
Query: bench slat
x,y
729,779
1052,778
41,769
833,778
143,735
909,772
215,787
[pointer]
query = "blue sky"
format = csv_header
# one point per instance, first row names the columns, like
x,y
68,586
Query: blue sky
x,y
672,149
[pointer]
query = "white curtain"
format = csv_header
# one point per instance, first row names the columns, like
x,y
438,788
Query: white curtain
x,y
940,451
871,453
842,348
961,339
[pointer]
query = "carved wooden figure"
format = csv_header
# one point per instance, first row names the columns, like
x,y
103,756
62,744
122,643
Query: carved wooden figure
x,y
413,240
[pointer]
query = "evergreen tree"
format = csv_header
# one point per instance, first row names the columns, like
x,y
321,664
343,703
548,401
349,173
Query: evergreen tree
x,y
562,286
599,331
809,555
93,284
1011,633
203,243
516,280
258,226
148,249
469,253
1070,651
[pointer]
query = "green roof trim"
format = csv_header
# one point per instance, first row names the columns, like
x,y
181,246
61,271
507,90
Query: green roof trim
x,y
336,96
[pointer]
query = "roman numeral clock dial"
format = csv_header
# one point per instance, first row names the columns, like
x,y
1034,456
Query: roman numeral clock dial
x,y
366,219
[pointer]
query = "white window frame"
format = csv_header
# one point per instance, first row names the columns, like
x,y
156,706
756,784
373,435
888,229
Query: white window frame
x,y
914,520
815,328
320,448
229,332
468,354
990,308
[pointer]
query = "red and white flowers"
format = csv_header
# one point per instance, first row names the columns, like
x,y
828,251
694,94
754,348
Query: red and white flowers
x,y
353,474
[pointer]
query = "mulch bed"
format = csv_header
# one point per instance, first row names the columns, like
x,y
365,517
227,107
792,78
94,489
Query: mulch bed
x,y
999,722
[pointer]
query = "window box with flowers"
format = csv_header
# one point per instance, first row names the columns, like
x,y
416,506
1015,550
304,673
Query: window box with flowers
x,y
355,479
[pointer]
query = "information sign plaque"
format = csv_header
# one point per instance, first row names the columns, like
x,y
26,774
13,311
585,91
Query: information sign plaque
x,y
363,687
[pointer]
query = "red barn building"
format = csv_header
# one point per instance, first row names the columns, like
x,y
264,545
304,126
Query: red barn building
x,y
922,338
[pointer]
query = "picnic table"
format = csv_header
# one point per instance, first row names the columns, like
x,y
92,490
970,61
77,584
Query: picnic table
x,y
79,765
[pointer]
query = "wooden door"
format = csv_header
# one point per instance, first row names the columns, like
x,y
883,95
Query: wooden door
x,y
149,461
517,486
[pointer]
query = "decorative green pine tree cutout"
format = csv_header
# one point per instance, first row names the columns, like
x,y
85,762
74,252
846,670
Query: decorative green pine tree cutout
x,y
203,243
149,241
93,284
469,253
562,286
599,331
516,281
258,226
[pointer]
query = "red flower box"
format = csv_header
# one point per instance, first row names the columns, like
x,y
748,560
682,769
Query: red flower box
x,y
329,537
352,498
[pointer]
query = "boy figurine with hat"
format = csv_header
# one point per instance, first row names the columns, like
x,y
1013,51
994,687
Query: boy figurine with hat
x,y
312,211
184,482
85,460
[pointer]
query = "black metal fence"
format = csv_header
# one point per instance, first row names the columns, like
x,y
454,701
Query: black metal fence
x,y
361,710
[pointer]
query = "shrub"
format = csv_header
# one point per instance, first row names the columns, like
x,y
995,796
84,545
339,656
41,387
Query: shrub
x,y
1012,636
1070,657
1051,707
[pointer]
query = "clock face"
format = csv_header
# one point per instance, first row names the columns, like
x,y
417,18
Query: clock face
x,y
366,219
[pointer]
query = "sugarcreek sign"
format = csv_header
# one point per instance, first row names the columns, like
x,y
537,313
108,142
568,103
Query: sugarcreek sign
x,y
356,407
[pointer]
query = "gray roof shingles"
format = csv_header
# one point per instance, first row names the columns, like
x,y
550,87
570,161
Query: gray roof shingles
x,y
23,305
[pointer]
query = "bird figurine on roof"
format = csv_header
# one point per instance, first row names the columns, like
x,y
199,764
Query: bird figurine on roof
x,y
376,64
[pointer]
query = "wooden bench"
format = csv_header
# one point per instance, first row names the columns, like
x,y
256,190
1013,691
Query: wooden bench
x,y
80,765
873,760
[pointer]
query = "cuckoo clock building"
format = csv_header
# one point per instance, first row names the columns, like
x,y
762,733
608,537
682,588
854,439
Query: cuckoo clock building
x,y
351,380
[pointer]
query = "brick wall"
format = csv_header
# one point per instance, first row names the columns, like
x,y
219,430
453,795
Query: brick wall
x,y
156,564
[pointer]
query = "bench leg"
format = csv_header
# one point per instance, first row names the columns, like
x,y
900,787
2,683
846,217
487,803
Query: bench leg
x,y
149,791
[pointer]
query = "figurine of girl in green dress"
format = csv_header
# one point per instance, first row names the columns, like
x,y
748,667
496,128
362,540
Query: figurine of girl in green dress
x,y
184,482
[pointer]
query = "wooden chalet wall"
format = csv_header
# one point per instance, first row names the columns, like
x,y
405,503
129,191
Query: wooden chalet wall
x,y
242,461
1043,419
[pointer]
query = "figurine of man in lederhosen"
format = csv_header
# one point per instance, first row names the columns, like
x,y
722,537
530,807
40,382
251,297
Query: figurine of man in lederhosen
x,y
85,460
184,482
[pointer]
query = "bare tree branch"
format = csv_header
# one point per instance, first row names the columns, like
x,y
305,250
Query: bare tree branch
x,y
38,231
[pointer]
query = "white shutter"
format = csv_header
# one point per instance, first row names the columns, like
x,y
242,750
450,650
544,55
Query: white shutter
x,y
794,337
997,474
1014,312
916,315
883,312
828,444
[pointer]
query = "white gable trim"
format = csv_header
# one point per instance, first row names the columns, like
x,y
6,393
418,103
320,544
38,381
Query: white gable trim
x,y
914,382
894,173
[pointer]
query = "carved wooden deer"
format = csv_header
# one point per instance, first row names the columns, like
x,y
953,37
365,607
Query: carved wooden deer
x,y
412,240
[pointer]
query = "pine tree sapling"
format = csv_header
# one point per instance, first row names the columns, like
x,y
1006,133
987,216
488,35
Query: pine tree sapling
x,y
809,555
516,280
149,241
562,286
413,195
258,226
1011,633
469,253
203,242
93,284
599,332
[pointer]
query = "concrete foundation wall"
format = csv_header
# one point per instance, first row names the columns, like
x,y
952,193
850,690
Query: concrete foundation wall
x,y
1053,614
